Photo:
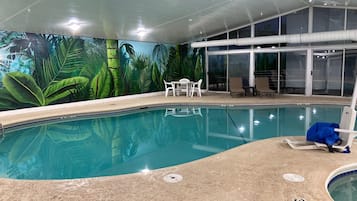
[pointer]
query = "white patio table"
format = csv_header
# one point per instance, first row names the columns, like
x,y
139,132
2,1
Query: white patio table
x,y
179,84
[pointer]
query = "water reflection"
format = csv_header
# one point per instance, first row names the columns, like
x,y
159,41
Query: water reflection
x,y
146,139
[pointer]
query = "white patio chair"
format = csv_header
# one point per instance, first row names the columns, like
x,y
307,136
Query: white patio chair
x,y
184,86
196,87
169,87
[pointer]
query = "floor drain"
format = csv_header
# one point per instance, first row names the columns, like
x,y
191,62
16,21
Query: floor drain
x,y
173,178
293,177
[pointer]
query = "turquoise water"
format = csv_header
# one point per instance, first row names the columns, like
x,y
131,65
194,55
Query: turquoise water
x,y
344,187
145,139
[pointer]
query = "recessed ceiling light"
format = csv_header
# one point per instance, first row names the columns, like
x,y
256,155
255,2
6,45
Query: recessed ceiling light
x,y
74,26
190,20
141,32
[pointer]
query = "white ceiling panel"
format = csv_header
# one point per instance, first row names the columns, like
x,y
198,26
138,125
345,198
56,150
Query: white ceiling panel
x,y
169,21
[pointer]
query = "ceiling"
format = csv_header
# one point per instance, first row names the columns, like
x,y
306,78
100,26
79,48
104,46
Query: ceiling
x,y
167,21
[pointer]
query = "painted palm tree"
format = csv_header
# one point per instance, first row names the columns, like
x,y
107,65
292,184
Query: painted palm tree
x,y
114,64
127,53
173,70
141,78
160,55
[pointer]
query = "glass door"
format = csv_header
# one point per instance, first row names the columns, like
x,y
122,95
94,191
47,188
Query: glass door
x,y
266,65
292,72
327,72
217,73
239,67
350,72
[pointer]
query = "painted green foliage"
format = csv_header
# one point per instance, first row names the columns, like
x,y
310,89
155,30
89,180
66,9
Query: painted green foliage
x,y
57,78
23,89
61,69
101,85
185,62
144,73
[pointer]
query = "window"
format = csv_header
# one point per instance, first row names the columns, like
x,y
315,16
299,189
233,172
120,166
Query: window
x,y
239,67
244,32
233,34
240,33
292,72
327,72
350,72
217,72
328,19
295,23
219,37
267,28
351,19
266,65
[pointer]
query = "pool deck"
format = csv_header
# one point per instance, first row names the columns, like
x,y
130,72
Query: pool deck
x,y
251,172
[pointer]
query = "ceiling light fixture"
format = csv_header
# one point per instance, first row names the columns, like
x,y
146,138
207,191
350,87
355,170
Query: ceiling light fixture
x,y
74,25
141,32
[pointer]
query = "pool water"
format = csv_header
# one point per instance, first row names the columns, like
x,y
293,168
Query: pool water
x,y
344,187
145,139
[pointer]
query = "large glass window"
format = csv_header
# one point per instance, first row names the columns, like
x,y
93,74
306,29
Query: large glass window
x,y
244,32
292,72
351,19
328,19
266,65
218,37
295,23
267,28
217,72
327,72
239,67
350,72
233,34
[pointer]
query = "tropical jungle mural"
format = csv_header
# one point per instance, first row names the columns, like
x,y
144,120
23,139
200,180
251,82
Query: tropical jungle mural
x,y
46,69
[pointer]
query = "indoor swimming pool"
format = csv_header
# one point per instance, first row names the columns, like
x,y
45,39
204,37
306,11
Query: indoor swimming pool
x,y
145,139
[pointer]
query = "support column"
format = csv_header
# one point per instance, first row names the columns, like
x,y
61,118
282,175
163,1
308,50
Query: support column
x,y
251,69
308,73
